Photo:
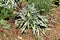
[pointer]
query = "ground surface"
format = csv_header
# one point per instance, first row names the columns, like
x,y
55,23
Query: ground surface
x,y
53,34
54,23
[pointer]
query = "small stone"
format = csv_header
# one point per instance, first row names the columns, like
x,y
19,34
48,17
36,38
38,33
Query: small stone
x,y
19,37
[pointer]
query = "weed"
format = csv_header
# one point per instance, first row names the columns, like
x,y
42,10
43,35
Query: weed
x,y
30,18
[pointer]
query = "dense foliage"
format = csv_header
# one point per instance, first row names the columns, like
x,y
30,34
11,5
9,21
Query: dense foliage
x,y
6,9
5,13
42,5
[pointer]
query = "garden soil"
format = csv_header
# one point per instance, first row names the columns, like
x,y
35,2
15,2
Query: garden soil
x,y
15,34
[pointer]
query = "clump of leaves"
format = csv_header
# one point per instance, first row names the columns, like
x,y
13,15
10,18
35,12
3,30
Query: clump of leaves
x,y
42,5
6,8
4,13
30,18
4,24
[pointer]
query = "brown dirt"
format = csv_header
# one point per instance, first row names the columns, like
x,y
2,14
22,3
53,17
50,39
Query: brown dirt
x,y
14,34
54,33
